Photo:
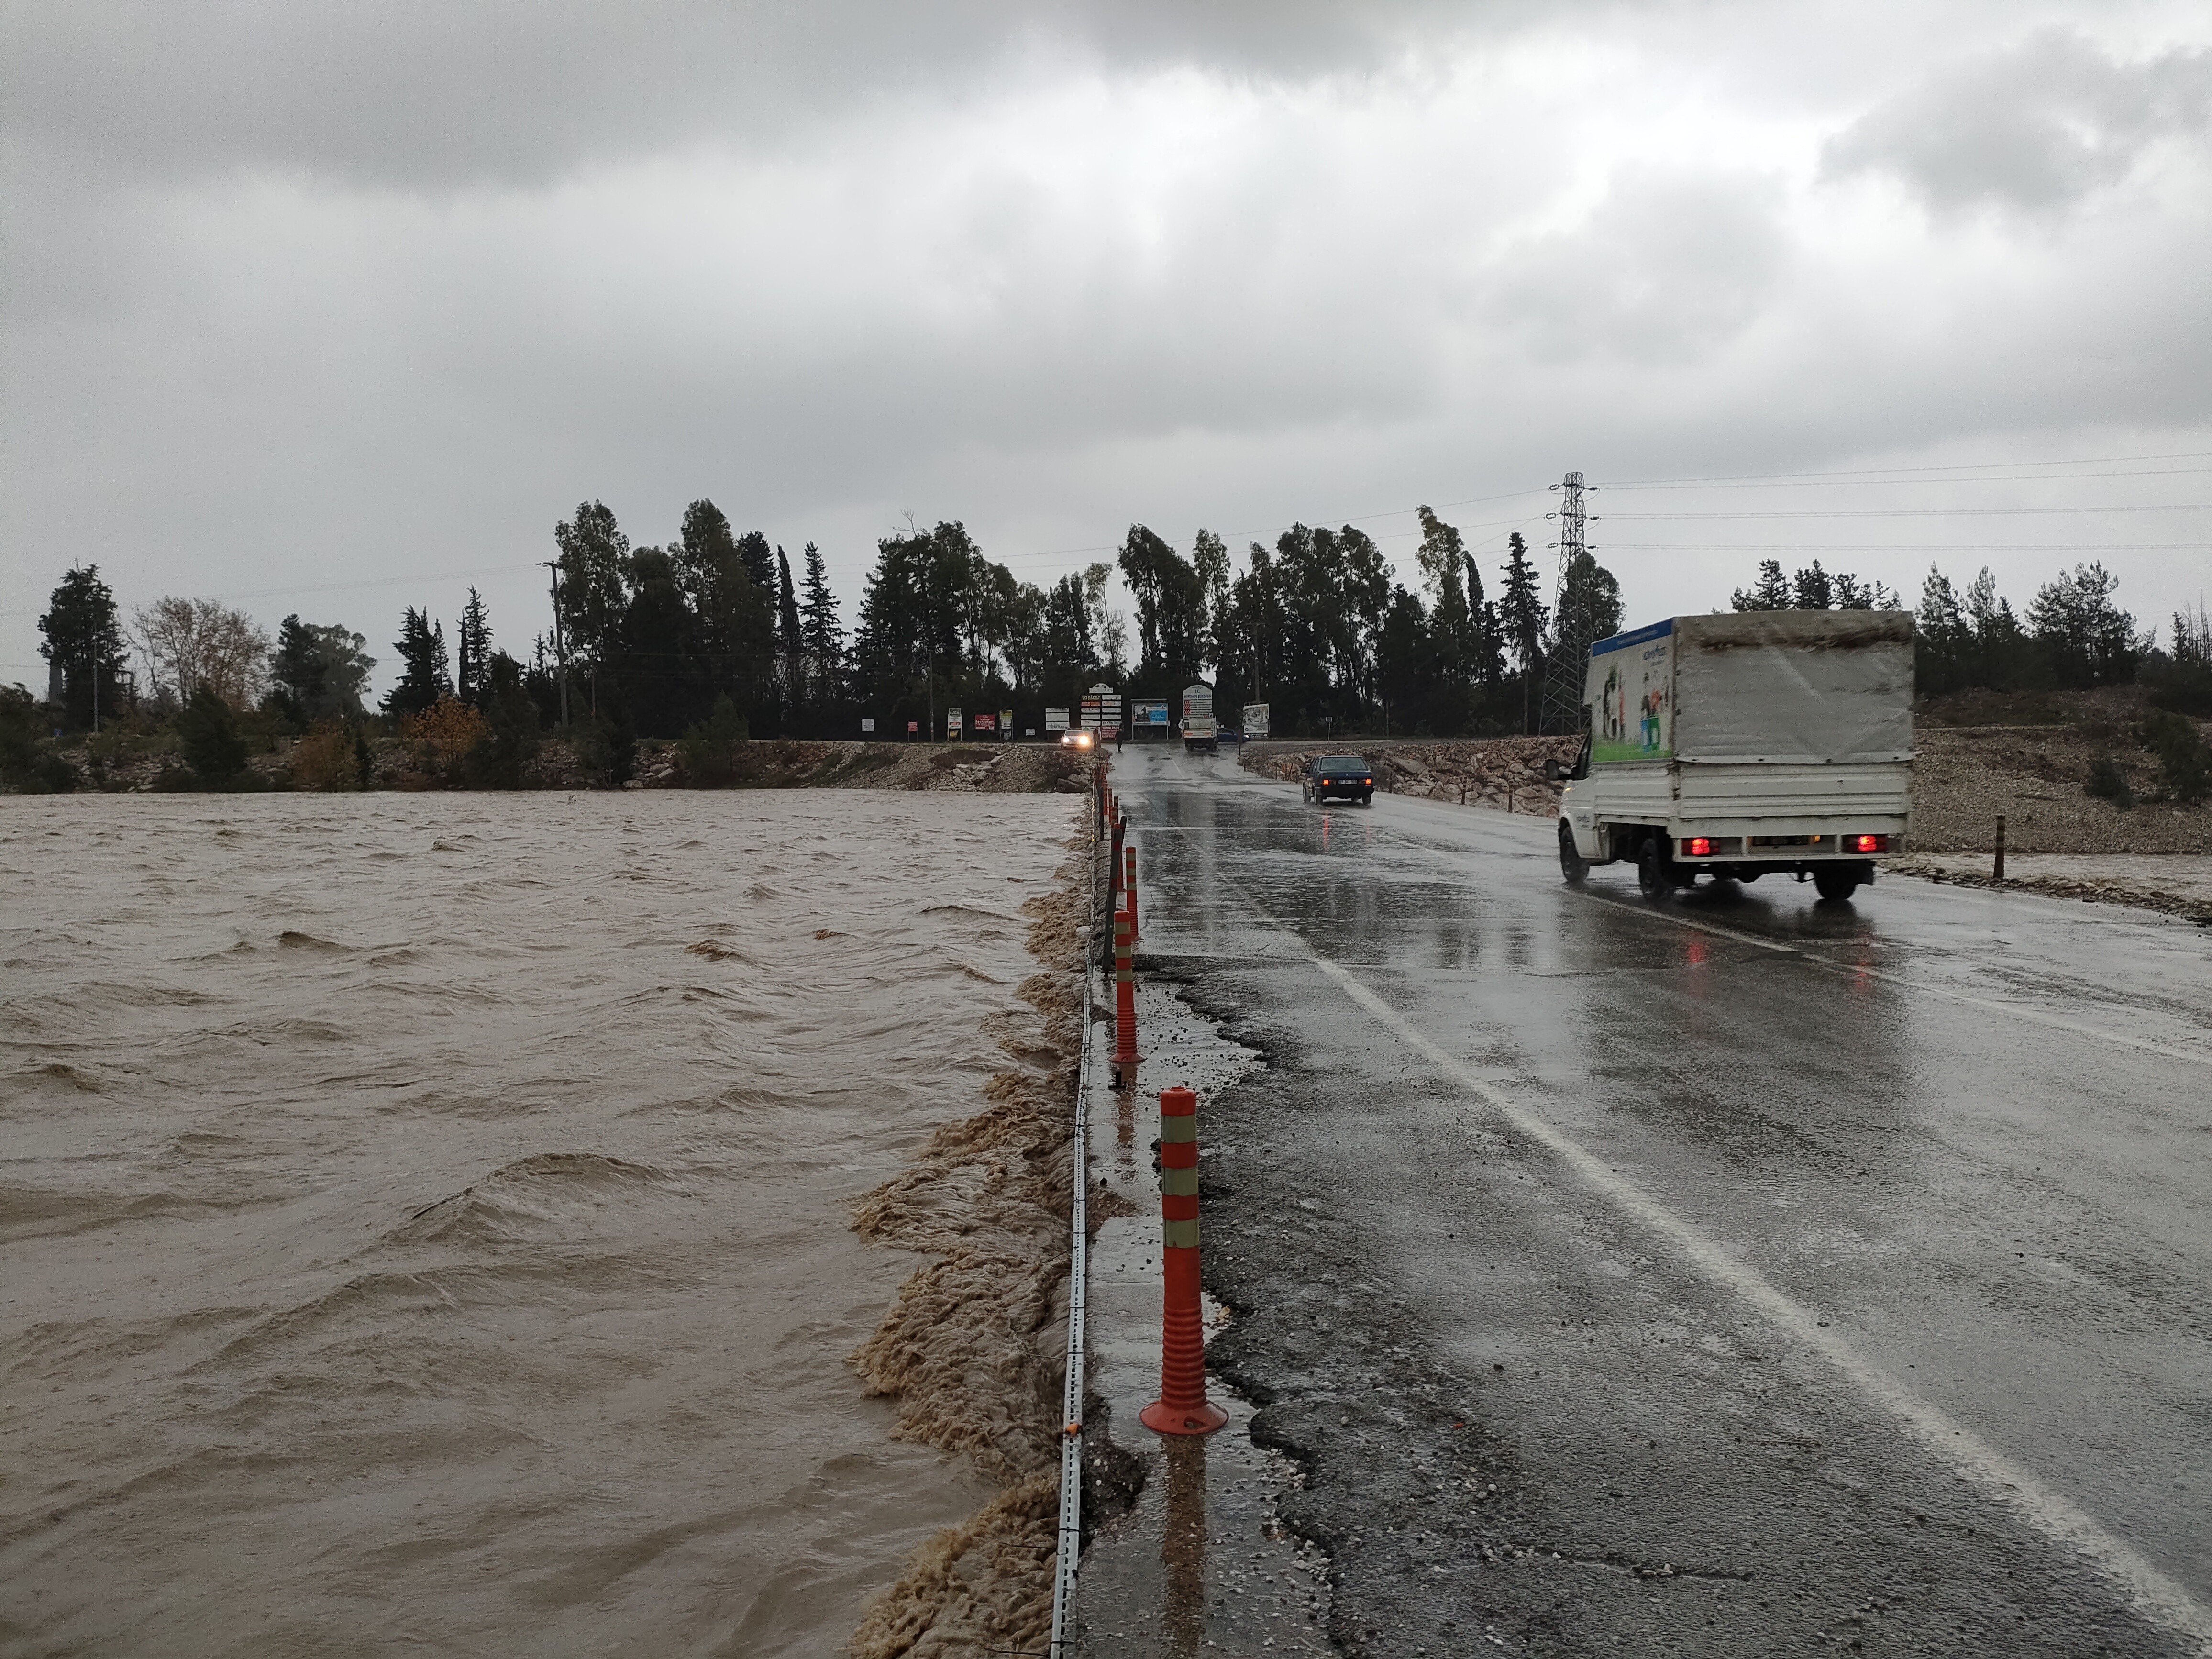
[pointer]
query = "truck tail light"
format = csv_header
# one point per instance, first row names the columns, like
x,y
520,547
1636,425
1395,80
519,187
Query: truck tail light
x,y
1870,843
1698,847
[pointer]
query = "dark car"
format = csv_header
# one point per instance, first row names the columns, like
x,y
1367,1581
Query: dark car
x,y
1346,775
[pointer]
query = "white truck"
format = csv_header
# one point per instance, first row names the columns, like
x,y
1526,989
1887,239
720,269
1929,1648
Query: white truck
x,y
1199,731
1740,745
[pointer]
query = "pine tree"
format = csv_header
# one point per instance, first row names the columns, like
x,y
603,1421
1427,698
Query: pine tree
x,y
471,680
299,676
1524,616
790,638
590,594
1444,569
1486,639
823,634
84,641
1812,589
1769,592
422,648
759,563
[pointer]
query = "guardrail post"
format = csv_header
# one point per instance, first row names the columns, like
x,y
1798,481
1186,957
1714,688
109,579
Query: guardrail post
x,y
1125,1006
1996,873
1183,1408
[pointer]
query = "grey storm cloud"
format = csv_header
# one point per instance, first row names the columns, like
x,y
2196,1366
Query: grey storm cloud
x,y
336,294
2034,127
431,92
1668,269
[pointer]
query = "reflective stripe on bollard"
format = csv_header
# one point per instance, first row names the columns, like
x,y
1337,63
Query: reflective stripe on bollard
x,y
1183,1408
1125,1006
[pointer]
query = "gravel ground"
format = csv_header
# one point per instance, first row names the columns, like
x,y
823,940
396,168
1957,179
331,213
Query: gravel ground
x,y
2178,883
1963,776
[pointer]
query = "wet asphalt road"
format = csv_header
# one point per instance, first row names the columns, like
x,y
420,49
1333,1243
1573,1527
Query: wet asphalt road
x,y
1749,1275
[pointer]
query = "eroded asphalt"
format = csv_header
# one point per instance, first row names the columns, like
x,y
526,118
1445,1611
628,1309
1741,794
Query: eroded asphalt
x,y
1738,1275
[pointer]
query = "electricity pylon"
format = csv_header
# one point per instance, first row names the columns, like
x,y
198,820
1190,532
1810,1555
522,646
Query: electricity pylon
x,y
1570,642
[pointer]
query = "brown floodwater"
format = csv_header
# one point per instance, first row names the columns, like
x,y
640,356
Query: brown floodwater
x,y
425,1217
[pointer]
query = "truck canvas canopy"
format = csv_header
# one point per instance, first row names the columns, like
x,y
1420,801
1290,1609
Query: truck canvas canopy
x,y
1809,686
1830,686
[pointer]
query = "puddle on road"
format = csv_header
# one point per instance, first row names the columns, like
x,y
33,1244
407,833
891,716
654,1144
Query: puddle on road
x,y
1200,1564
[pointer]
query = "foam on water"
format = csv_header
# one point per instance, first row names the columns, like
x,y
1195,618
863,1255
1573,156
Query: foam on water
x,y
426,1217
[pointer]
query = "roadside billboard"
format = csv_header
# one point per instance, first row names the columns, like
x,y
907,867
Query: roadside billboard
x,y
1256,719
987,722
953,725
1055,720
1148,713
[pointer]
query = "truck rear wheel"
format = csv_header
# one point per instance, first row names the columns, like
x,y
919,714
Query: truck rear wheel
x,y
1835,882
1572,865
1654,872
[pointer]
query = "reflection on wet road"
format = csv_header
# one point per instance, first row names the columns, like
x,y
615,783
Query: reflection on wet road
x,y
1743,1273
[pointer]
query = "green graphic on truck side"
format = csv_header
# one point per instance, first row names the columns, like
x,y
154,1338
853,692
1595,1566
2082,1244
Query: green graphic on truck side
x,y
1631,695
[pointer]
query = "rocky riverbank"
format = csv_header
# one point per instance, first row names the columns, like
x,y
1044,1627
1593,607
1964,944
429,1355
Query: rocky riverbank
x,y
386,763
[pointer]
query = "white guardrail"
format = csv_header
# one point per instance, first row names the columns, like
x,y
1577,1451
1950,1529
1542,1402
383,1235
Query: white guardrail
x,y
1068,1557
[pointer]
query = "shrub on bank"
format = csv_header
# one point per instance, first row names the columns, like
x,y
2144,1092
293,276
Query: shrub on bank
x,y
2183,765
213,747
29,761
329,757
2107,782
712,752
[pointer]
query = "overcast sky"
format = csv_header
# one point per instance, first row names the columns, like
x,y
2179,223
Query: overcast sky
x,y
334,308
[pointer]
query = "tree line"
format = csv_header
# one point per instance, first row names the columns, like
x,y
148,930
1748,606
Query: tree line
x,y
715,636
2072,635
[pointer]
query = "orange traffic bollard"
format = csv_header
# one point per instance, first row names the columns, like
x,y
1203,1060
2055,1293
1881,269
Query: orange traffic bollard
x,y
1129,886
1183,1408
1114,870
1125,1006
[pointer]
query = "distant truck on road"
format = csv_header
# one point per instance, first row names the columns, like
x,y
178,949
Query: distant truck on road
x,y
1743,745
1198,731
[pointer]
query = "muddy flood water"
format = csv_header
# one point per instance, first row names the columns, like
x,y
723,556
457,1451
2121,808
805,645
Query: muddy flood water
x,y
426,1218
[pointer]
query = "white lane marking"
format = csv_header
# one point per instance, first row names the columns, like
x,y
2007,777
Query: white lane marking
x,y
1918,988
1988,1004
2156,1596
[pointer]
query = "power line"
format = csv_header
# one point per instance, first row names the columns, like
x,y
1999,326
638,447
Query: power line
x,y
1921,511
1910,547
1893,483
1895,471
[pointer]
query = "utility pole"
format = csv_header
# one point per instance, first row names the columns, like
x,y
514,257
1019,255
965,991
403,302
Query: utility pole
x,y
1570,659
560,646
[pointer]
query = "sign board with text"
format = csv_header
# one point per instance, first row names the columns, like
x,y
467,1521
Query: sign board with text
x,y
1102,710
